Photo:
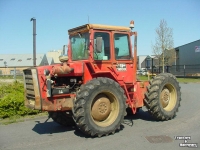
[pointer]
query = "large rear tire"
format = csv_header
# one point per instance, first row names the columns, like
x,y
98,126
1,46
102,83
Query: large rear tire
x,y
62,118
163,97
99,107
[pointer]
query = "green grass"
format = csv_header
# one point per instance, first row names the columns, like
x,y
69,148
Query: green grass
x,y
10,120
188,80
17,118
142,78
180,80
10,77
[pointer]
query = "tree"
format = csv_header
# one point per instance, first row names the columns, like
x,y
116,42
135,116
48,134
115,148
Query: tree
x,y
164,43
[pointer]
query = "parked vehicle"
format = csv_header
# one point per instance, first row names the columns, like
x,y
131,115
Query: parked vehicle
x,y
139,72
96,83
144,73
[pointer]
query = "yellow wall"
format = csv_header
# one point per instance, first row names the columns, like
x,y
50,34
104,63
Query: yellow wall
x,y
55,55
7,71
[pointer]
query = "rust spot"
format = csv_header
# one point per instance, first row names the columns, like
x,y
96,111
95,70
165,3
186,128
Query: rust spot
x,y
47,105
64,104
142,84
58,104
64,69
37,103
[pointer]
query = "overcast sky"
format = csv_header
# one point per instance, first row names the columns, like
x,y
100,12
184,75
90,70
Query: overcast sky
x,y
55,17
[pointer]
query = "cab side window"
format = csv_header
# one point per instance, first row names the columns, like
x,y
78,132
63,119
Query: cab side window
x,y
105,53
121,44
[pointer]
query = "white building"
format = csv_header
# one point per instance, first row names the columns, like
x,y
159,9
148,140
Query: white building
x,y
55,55
18,62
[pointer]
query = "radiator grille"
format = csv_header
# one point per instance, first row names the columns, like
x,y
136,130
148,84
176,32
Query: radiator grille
x,y
29,85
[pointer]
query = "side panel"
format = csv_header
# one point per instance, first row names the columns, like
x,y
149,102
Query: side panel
x,y
139,93
124,71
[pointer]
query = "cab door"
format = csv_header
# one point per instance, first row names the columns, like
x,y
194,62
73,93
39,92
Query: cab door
x,y
122,61
102,60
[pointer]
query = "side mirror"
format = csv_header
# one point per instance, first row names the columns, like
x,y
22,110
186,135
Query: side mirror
x,y
99,44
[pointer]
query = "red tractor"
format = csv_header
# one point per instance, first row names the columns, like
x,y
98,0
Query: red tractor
x,y
95,85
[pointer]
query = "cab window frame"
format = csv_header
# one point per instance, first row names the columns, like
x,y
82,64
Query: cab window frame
x,y
105,55
118,49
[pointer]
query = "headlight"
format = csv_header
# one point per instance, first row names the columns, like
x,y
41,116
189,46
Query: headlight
x,y
46,72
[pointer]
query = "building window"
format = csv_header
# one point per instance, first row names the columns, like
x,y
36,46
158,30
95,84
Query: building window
x,y
15,72
28,58
13,59
19,60
12,72
1,59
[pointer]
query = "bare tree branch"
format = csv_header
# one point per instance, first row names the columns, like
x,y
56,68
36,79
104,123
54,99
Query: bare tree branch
x,y
164,43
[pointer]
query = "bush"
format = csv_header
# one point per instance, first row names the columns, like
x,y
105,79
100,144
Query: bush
x,y
12,101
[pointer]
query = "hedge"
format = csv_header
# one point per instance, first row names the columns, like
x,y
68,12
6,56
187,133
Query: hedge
x,y
12,100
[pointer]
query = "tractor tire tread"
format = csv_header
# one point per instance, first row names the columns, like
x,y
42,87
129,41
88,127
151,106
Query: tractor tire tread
x,y
79,114
152,97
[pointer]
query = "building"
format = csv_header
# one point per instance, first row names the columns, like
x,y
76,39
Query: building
x,y
188,54
55,55
144,61
187,59
11,63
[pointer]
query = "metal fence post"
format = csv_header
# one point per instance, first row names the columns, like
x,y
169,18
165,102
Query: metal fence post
x,y
15,73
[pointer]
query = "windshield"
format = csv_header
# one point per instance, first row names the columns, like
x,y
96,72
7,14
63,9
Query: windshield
x,y
79,46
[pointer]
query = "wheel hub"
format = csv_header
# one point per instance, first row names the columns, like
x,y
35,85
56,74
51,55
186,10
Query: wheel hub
x,y
101,109
165,97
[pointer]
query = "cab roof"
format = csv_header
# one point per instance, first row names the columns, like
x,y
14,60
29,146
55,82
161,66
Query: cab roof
x,y
87,27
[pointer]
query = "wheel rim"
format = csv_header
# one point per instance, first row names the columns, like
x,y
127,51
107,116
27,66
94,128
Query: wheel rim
x,y
104,109
168,97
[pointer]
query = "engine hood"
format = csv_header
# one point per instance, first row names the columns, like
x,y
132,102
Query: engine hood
x,y
63,69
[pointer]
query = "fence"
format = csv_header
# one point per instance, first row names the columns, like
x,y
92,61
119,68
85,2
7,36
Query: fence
x,y
185,70
177,70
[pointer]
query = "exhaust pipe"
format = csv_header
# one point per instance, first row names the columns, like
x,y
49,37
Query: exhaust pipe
x,y
135,57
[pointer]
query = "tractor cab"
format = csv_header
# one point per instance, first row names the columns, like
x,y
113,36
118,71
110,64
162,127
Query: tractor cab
x,y
100,43
104,49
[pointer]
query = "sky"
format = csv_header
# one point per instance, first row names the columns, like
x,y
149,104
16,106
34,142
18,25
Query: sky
x,y
55,17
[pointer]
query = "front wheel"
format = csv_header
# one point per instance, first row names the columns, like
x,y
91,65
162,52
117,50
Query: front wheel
x,y
163,97
99,107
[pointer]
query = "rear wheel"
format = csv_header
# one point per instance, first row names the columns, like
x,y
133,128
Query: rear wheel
x,y
99,107
62,118
163,97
